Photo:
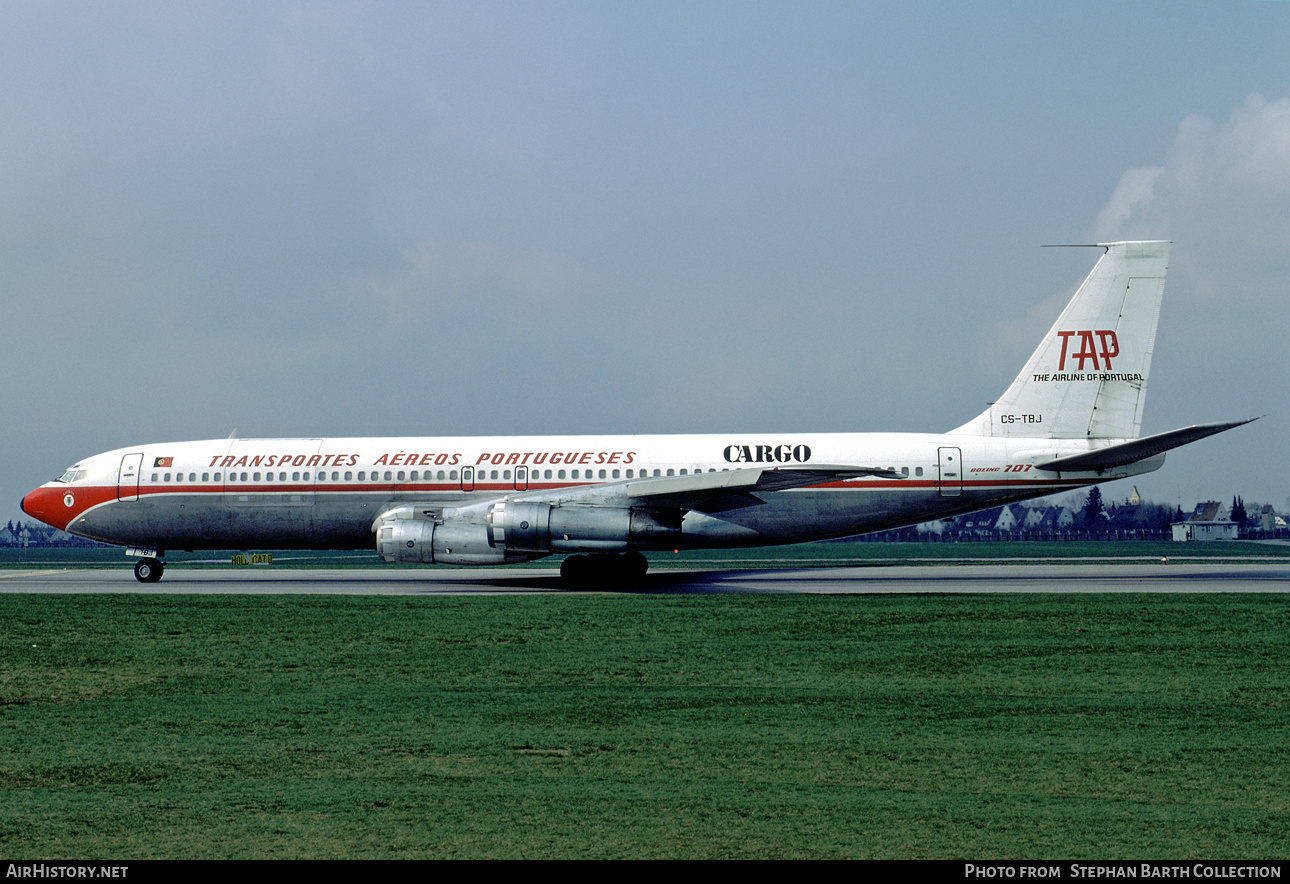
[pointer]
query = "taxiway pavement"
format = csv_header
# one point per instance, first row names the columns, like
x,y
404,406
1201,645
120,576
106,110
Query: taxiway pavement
x,y
961,578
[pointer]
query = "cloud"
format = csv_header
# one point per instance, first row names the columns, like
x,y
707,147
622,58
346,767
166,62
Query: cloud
x,y
1220,182
1223,197
1137,186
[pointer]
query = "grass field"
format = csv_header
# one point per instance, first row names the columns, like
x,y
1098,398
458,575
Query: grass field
x,y
1071,726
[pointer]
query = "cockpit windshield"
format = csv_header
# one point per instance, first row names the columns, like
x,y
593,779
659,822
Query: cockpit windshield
x,y
73,475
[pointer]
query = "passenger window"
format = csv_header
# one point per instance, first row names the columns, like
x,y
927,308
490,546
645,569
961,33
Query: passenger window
x,y
349,475
206,477
615,474
400,475
217,475
560,475
602,473
918,471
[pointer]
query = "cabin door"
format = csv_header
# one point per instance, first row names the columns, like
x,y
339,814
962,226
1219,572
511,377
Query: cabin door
x,y
127,480
950,461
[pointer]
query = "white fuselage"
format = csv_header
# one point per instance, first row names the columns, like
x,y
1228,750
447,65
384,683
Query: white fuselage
x,y
327,493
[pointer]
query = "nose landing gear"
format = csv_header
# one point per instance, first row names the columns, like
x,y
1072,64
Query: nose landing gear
x,y
148,570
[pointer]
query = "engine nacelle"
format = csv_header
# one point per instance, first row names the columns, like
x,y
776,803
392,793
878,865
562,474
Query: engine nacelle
x,y
542,528
402,535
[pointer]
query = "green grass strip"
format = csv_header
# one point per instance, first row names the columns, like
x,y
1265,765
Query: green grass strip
x,y
1069,726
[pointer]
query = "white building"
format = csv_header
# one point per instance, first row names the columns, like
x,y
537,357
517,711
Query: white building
x,y
1205,523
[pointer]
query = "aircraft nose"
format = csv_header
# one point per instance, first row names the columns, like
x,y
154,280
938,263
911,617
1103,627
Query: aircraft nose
x,y
49,505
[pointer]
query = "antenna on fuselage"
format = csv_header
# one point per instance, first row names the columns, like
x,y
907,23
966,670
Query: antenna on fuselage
x,y
232,434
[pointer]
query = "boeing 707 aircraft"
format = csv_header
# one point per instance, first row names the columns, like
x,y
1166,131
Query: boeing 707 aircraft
x,y
1071,418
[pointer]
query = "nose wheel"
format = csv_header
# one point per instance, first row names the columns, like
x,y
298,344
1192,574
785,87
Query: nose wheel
x,y
148,570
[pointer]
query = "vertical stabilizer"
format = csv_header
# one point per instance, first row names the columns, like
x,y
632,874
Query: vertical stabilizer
x,y
1088,379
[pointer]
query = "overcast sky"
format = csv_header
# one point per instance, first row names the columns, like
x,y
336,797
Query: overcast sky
x,y
318,219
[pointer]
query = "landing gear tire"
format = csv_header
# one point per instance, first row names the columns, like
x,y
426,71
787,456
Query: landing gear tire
x,y
575,570
614,569
635,564
148,570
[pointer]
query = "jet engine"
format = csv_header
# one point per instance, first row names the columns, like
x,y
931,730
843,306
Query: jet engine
x,y
517,532
412,536
540,527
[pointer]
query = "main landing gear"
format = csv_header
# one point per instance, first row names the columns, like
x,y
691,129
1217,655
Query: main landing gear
x,y
610,568
148,570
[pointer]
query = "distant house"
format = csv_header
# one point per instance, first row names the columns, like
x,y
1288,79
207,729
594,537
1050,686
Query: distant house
x,y
1048,518
1269,520
1206,522
999,518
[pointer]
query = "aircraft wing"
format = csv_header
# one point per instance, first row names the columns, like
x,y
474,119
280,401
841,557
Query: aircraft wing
x,y
1135,449
700,489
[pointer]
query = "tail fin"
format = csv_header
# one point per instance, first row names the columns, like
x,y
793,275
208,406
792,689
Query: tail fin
x,y
1088,379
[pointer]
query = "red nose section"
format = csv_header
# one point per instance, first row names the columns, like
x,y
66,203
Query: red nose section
x,y
53,506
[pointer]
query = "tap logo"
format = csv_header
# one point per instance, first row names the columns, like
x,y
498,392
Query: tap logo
x,y
1089,349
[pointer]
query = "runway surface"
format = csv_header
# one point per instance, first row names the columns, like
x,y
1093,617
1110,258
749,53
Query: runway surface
x,y
961,578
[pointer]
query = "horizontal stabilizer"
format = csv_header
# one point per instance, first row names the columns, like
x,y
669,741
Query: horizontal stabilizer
x,y
1138,449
